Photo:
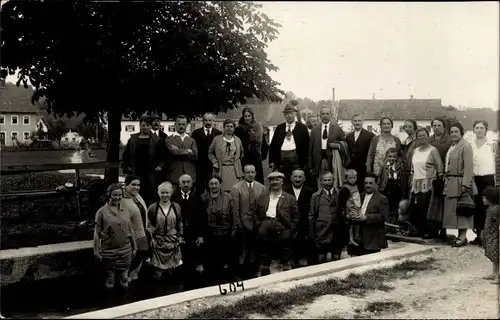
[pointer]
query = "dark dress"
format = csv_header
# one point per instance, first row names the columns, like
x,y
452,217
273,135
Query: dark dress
x,y
491,234
252,149
142,169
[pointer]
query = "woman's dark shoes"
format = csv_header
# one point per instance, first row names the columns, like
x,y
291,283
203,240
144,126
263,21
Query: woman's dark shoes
x,y
459,243
477,241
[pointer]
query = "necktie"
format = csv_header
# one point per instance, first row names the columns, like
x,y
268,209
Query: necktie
x,y
251,196
329,193
208,132
289,132
325,134
185,196
391,172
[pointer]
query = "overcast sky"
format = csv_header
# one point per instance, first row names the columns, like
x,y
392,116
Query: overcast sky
x,y
393,50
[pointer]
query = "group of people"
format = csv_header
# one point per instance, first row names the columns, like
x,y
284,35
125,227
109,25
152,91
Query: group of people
x,y
200,201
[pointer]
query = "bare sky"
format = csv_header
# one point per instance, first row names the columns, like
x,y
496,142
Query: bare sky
x,y
393,50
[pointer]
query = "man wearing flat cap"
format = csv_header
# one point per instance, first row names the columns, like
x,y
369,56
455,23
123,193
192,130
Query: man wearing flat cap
x,y
279,220
290,144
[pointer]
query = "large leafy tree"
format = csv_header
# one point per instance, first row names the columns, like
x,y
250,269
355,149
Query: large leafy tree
x,y
128,58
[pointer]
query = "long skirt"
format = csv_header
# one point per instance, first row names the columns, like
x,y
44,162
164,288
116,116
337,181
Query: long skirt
x,y
436,206
166,253
481,182
491,234
117,259
228,176
418,210
450,218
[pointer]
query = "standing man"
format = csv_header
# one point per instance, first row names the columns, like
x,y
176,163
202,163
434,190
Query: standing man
x,y
374,209
324,139
182,153
156,128
326,223
191,210
278,226
311,122
249,198
358,144
203,137
290,144
303,195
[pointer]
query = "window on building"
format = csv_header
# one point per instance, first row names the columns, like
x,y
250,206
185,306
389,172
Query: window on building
x,y
2,119
74,139
171,128
26,119
2,138
369,128
26,135
162,128
14,120
66,139
130,128
13,135
401,128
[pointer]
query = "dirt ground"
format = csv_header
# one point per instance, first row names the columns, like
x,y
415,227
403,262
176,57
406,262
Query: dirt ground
x,y
454,290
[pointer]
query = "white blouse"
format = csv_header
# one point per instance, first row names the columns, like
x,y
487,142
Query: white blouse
x,y
484,159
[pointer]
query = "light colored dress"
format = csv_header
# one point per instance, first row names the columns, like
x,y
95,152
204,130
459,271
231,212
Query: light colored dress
x,y
422,180
115,234
227,170
382,147
166,231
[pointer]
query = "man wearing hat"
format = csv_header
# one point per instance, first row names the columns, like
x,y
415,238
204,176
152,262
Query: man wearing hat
x,y
279,221
290,144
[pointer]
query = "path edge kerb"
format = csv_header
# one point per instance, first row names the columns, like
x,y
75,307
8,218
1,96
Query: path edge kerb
x,y
296,274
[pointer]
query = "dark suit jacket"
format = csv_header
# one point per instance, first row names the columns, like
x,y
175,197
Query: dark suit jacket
x,y
373,228
287,213
192,213
301,138
204,166
128,156
335,134
358,151
303,204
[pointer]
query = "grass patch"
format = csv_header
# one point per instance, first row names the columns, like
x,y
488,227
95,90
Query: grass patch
x,y
277,304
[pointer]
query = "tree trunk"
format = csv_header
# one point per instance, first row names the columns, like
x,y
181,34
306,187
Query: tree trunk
x,y
113,152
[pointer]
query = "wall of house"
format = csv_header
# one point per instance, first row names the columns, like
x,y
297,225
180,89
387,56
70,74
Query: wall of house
x,y
9,128
130,127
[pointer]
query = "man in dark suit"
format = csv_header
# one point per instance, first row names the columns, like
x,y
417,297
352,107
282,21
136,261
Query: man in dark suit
x,y
374,209
324,139
302,193
203,137
156,128
279,220
358,144
290,144
191,208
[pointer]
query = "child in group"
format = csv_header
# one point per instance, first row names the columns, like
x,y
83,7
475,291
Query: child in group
x,y
350,203
393,182
491,233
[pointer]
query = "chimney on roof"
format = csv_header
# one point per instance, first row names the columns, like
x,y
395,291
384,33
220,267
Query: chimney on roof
x,y
373,97
411,97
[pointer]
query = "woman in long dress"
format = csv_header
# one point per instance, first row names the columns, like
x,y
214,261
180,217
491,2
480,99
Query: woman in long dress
x,y
484,173
491,232
166,229
426,167
133,202
114,240
379,146
250,133
458,184
226,152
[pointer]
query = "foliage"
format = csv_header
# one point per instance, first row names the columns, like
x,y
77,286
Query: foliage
x,y
129,58
56,130
89,130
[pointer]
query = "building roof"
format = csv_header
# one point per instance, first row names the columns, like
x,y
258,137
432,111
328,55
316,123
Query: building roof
x,y
265,113
417,109
15,99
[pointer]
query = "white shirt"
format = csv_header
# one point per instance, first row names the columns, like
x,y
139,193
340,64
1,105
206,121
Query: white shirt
x,y
209,131
296,191
288,143
328,193
484,159
395,174
156,132
185,195
250,184
419,162
273,204
367,199
324,142
183,136
356,135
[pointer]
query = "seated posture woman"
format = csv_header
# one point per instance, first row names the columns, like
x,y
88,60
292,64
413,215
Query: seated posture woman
x,y
226,152
426,167
135,205
114,240
218,227
459,185
165,228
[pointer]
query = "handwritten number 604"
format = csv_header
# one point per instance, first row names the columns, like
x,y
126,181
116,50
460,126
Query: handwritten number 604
x,y
232,287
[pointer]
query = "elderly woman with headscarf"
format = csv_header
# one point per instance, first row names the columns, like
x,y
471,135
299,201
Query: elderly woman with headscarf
x,y
114,239
133,202
226,152
166,229
250,133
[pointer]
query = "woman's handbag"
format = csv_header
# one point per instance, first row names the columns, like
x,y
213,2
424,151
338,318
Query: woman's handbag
x,y
465,205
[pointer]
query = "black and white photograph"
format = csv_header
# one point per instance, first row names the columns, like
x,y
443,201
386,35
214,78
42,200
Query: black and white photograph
x,y
249,160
